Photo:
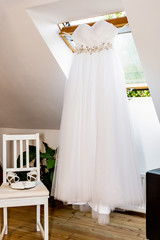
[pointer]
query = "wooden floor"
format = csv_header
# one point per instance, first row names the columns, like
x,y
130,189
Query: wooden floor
x,y
66,223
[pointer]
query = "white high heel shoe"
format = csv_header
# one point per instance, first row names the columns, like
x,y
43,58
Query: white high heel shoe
x,y
32,175
12,178
13,181
31,179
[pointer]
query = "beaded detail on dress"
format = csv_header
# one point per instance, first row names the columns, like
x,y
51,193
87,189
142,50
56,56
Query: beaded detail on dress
x,y
94,49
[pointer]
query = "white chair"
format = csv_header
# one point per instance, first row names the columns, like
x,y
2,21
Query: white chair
x,y
13,198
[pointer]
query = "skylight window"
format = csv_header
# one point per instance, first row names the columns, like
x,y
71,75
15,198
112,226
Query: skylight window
x,y
92,20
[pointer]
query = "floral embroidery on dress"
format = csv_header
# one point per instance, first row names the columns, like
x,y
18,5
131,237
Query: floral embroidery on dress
x,y
94,49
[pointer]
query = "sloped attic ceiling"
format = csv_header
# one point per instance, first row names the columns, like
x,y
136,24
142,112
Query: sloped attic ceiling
x,y
32,79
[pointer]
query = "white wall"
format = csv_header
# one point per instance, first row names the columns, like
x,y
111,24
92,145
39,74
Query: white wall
x,y
146,128
50,33
144,21
31,81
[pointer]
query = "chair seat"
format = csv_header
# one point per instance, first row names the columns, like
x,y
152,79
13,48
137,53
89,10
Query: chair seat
x,y
6,192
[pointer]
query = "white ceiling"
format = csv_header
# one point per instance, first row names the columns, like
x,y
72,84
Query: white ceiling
x,y
69,10
32,80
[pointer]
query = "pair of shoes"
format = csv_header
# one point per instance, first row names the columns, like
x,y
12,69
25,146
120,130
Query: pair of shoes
x,y
14,180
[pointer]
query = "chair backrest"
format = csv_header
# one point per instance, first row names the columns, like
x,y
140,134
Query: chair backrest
x,y
22,139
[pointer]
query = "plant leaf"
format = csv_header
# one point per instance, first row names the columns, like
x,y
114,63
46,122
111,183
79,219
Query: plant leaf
x,y
48,149
50,163
45,155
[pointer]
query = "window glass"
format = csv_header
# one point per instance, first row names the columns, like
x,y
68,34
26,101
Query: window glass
x,y
94,19
129,58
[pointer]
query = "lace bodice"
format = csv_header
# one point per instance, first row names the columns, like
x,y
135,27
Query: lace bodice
x,y
96,38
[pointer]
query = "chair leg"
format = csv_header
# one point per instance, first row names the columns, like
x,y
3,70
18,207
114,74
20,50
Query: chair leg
x,y
46,220
5,222
38,217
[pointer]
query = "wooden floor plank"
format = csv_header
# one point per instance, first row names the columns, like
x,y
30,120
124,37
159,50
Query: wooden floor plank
x,y
66,223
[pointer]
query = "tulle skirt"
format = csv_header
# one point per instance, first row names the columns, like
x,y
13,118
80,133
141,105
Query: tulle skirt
x,y
97,162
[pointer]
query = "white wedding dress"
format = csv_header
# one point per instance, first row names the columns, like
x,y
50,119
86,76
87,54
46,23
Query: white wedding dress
x,y
97,163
